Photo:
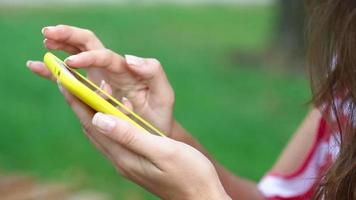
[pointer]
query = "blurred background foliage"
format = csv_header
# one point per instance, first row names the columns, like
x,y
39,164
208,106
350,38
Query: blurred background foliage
x,y
242,111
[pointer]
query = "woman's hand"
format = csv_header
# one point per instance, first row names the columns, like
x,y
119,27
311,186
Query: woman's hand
x,y
167,168
139,83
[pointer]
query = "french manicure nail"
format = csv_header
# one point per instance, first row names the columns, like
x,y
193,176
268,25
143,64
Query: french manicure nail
x,y
28,63
46,28
71,58
103,122
124,99
60,87
102,84
134,60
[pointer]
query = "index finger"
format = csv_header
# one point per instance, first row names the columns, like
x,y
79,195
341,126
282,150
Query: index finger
x,y
40,69
82,39
103,58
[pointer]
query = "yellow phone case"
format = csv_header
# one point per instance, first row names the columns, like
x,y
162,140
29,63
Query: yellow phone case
x,y
88,93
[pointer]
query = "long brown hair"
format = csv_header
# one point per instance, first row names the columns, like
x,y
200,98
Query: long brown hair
x,y
331,37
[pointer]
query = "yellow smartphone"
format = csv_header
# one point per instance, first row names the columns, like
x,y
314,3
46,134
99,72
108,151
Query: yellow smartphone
x,y
92,95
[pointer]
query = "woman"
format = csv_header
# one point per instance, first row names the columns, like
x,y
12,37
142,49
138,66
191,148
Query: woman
x,y
319,162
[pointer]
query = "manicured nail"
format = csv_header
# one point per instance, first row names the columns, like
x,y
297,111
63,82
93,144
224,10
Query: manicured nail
x,y
60,87
125,99
134,60
128,106
102,84
28,63
104,123
71,58
44,29
126,102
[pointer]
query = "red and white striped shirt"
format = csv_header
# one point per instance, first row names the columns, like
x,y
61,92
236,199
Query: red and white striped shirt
x,y
301,183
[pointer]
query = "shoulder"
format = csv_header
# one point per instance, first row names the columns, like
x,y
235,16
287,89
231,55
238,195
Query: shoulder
x,y
299,166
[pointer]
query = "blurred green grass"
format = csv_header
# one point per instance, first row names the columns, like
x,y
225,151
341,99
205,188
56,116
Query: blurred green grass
x,y
242,114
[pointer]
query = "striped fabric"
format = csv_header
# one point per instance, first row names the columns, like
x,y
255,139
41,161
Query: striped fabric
x,y
301,183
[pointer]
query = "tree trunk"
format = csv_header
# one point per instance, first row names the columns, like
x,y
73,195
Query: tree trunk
x,y
286,50
289,41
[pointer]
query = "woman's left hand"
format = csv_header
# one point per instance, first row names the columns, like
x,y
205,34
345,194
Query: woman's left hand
x,y
167,168
140,83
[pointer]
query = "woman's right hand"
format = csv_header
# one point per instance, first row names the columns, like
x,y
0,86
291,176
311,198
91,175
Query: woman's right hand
x,y
165,167
139,83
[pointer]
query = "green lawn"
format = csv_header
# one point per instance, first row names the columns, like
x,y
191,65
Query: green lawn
x,y
242,114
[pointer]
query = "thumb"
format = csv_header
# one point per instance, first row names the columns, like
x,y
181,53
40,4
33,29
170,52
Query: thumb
x,y
129,136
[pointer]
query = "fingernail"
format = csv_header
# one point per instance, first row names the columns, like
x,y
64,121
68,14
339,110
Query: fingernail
x,y
60,87
44,29
71,58
102,84
127,106
124,99
134,60
28,63
104,123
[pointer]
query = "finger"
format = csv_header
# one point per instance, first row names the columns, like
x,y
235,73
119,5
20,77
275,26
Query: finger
x,y
106,87
40,69
82,39
127,103
99,144
101,87
125,161
151,70
81,110
102,58
84,114
54,45
128,163
130,137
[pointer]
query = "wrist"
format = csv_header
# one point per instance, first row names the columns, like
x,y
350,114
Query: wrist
x,y
224,196
218,195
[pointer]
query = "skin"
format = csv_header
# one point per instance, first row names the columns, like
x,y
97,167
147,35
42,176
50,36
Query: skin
x,y
175,167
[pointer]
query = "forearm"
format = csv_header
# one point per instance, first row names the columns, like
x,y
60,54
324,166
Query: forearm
x,y
238,188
